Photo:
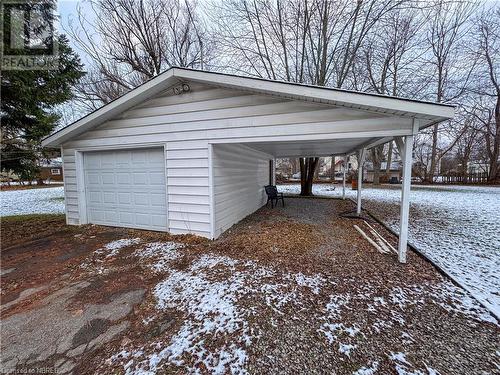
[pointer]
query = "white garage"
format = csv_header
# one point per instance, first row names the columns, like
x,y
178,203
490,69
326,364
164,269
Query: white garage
x,y
190,151
126,188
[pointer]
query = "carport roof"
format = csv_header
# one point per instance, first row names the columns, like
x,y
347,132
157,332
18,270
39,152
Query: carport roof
x,y
427,113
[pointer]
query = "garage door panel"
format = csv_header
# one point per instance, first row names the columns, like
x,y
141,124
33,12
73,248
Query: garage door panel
x,y
92,161
124,198
109,198
110,215
143,219
126,188
96,215
94,197
158,200
139,157
126,218
140,178
123,178
92,178
108,178
156,178
159,220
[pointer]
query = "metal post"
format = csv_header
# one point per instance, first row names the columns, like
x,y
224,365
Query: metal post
x,y
343,176
361,159
405,197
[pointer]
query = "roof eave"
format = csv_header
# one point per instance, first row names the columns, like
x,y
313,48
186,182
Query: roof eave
x,y
154,86
117,106
317,93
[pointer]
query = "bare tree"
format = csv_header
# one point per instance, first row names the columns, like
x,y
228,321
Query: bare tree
x,y
389,64
448,24
315,42
486,92
466,145
133,41
411,48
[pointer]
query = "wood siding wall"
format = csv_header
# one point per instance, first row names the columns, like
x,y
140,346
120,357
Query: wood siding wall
x,y
239,176
186,124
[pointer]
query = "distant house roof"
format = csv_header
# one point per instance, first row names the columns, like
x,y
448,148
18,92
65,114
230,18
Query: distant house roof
x,y
395,166
52,163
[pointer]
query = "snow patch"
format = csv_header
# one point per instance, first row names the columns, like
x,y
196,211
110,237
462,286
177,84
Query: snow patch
x,y
402,366
346,349
215,333
112,249
159,254
32,201
312,282
372,369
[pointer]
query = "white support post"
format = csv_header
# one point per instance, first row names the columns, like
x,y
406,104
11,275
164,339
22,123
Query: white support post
x,y
361,160
344,164
274,172
406,153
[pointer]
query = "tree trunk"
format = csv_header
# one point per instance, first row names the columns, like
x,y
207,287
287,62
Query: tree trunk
x,y
377,163
432,170
332,169
295,169
389,159
494,175
307,168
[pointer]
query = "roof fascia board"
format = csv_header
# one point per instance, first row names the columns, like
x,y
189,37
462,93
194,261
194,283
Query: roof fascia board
x,y
300,92
318,93
124,102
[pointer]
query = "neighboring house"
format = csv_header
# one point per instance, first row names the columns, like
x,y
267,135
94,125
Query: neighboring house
x,y
52,170
352,164
394,171
8,177
190,151
477,166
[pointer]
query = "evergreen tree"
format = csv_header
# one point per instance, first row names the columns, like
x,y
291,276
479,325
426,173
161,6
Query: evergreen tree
x,y
29,99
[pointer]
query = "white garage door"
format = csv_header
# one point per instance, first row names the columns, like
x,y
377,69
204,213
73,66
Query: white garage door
x,y
126,188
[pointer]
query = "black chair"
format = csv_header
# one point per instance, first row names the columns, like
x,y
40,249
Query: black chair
x,y
273,195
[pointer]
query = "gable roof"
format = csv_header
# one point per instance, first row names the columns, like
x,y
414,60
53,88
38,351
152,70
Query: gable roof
x,y
428,112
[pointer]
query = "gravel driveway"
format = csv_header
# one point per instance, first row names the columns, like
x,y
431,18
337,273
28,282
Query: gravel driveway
x,y
458,227
294,289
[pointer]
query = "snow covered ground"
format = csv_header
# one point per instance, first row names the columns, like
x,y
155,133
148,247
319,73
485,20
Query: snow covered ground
x,y
32,201
458,227
222,300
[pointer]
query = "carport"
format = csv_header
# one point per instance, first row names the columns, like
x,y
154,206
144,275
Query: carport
x,y
258,168
190,151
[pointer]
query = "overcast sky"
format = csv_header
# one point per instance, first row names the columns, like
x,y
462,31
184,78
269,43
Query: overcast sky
x,y
67,10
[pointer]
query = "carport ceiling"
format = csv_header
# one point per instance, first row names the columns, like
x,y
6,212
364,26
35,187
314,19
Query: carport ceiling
x,y
310,148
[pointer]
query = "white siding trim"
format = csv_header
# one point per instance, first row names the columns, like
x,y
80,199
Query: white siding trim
x,y
80,187
211,189
166,186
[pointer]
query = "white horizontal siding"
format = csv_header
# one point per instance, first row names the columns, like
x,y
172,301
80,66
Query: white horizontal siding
x,y
187,123
239,176
70,190
188,188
